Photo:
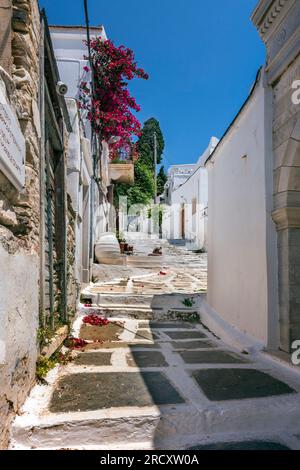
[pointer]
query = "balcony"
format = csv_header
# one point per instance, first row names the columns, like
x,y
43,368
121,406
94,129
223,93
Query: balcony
x,y
121,172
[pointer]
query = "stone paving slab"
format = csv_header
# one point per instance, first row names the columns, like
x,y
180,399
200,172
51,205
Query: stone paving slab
x,y
170,325
202,344
243,445
146,359
145,334
238,384
176,404
96,359
211,357
119,345
108,332
185,334
143,324
94,391
144,346
105,345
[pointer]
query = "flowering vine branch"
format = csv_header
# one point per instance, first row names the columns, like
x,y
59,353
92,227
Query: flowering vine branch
x,y
111,107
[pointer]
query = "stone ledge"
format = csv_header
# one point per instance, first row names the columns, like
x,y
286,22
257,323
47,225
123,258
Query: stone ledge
x,y
59,337
287,217
121,172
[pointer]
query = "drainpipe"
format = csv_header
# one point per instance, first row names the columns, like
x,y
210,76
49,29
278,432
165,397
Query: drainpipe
x,y
92,186
42,178
96,150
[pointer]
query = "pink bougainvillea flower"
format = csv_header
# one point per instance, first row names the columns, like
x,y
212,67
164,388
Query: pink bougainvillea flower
x,y
95,320
110,108
75,343
86,68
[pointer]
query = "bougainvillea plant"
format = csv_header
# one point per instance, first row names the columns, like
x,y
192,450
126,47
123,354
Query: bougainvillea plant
x,y
75,343
110,108
95,320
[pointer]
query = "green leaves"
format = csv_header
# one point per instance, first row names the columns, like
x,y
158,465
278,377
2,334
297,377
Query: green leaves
x,y
161,180
142,191
146,142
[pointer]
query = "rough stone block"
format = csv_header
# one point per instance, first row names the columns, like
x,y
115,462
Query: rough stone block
x,y
93,359
185,334
242,445
239,384
86,392
146,359
211,357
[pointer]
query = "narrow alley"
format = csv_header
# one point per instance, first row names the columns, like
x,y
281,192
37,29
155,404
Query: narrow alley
x,y
149,228
153,377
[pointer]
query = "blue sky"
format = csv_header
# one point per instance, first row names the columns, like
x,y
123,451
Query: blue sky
x,y
202,57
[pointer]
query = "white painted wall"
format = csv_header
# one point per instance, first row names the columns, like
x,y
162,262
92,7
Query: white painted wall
x,y
19,321
194,187
241,236
70,49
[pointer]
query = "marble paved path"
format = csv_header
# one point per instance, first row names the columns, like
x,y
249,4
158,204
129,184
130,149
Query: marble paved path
x,y
160,385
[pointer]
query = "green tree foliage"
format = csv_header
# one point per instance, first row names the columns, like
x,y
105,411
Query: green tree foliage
x,y
161,180
146,142
142,191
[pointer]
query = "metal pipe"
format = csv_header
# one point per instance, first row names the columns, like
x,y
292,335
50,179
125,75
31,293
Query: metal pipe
x,y
42,179
155,165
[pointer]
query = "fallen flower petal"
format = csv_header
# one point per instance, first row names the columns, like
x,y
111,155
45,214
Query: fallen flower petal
x,y
95,320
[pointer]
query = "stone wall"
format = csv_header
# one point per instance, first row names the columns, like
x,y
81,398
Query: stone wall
x,y
19,222
286,146
73,286
278,24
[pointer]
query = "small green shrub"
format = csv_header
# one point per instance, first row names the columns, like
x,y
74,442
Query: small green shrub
x,y
188,302
44,365
44,335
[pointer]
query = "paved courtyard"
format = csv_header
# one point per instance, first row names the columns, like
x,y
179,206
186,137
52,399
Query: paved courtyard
x,y
160,385
149,380
177,270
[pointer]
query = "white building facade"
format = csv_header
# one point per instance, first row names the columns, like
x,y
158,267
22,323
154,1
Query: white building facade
x,y
242,255
254,205
87,185
185,216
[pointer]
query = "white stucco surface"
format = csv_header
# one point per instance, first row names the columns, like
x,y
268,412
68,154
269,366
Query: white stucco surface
x,y
240,234
70,52
186,217
19,317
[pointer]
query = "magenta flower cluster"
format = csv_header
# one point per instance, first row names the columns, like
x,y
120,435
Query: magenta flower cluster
x,y
111,107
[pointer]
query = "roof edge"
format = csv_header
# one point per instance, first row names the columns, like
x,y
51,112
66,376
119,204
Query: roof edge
x,y
60,26
258,75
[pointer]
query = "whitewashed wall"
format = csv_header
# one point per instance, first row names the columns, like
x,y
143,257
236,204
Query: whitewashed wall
x,y
189,200
70,49
194,215
241,235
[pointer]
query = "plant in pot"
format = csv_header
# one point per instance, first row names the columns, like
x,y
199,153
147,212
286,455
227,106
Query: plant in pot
x,y
122,243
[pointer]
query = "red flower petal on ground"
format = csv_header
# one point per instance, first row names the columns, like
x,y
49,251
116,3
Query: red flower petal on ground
x,y
95,320
76,343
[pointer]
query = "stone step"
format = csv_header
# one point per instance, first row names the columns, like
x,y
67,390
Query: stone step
x,y
157,394
118,260
111,427
177,242
169,427
122,311
146,261
120,299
